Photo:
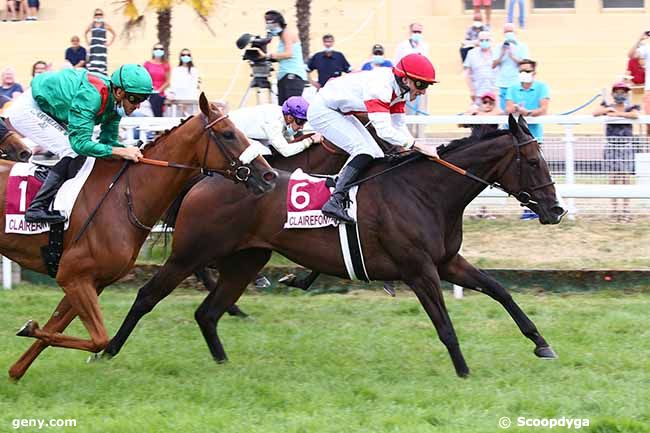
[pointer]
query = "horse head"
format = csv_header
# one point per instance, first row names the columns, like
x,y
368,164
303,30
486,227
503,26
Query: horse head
x,y
527,176
12,146
237,158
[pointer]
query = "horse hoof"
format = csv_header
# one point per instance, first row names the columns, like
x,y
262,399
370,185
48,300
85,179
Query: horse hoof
x,y
463,374
99,357
28,329
545,352
221,361
288,280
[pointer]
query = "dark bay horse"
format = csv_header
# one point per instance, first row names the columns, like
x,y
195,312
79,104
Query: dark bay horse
x,y
108,249
410,223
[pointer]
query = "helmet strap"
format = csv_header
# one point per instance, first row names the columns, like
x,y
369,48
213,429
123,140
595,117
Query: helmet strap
x,y
405,88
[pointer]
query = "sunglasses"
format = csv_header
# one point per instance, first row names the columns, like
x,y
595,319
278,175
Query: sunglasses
x,y
419,84
136,98
416,31
488,101
527,70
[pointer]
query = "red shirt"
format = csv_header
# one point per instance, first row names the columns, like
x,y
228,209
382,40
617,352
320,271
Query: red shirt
x,y
158,72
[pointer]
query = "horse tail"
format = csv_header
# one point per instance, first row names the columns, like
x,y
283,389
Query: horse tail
x,y
169,218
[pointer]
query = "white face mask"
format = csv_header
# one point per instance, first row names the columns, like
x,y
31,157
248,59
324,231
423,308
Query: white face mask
x,y
526,77
477,24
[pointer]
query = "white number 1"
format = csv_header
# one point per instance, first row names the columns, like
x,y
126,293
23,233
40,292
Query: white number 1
x,y
23,195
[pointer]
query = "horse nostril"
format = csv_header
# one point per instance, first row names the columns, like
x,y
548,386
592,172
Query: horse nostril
x,y
557,210
270,176
24,155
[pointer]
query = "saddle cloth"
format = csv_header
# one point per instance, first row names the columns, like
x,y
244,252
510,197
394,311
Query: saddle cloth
x,y
306,196
22,186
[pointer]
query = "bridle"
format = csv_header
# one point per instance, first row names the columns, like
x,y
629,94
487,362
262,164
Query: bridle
x,y
237,170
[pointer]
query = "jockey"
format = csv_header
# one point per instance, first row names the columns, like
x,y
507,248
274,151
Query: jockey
x,y
59,113
382,93
276,126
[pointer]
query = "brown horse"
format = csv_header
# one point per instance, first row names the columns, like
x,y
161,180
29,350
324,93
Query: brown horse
x,y
12,147
410,224
108,249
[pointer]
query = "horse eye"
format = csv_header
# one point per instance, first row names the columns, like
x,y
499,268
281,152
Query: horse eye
x,y
228,135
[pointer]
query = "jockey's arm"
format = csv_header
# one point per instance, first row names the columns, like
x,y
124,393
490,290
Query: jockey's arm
x,y
279,143
109,132
386,128
81,122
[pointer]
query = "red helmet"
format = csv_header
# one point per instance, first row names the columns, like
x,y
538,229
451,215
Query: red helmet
x,y
417,67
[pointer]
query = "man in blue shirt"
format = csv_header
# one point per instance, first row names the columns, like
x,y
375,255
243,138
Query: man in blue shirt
x,y
76,54
328,63
530,97
378,59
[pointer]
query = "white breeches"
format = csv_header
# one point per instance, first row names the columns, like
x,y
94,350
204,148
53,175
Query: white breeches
x,y
347,132
32,123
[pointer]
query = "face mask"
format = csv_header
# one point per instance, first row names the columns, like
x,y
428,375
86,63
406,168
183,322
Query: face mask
x,y
416,37
186,59
329,49
99,20
274,30
290,131
526,77
485,44
378,59
477,24
619,99
119,109
158,53
510,36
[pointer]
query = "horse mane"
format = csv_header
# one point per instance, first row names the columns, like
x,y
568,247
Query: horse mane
x,y
166,133
463,143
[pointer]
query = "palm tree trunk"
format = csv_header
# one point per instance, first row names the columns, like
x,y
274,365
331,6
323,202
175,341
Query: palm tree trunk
x,y
303,15
165,28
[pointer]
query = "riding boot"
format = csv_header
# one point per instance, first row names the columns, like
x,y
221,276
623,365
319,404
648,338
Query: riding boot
x,y
335,206
39,209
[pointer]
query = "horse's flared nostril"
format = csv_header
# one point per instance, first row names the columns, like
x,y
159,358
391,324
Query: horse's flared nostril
x,y
557,210
24,155
270,175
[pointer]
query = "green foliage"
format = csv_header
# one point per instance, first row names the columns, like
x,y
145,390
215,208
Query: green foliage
x,y
361,362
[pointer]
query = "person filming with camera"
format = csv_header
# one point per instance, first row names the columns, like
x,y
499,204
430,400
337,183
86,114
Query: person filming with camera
x,y
292,73
507,58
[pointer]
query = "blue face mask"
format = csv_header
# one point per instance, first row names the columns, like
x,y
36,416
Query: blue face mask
x,y
510,36
119,109
377,59
290,131
158,53
186,59
485,44
275,30
416,37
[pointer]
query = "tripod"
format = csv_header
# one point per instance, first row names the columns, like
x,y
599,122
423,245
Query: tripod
x,y
261,73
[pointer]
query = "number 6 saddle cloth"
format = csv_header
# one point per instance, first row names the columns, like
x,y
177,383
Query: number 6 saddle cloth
x,y
24,182
306,196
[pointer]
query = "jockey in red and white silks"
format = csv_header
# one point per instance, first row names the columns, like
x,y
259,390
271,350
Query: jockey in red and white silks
x,y
382,93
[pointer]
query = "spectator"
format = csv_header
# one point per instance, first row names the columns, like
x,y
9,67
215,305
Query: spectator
x,y
471,36
291,72
329,63
34,6
479,74
98,44
619,151
184,83
76,54
641,51
511,11
377,60
635,71
487,6
10,13
487,107
10,89
528,98
21,10
414,44
507,60
159,69
39,67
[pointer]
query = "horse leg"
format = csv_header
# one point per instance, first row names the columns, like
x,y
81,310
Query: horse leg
x,y
291,280
83,298
210,282
426,286
155,290
460,271
60,319
235,273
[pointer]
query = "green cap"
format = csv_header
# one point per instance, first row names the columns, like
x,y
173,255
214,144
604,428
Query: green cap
x,y
133,79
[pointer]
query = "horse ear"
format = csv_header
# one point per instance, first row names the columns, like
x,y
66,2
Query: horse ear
x,y
512,124
524,126
203,104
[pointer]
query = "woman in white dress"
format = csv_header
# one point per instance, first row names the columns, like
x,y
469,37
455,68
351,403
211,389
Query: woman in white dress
x,y
184,84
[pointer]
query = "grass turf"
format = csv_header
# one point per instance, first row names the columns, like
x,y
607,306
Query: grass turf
x,y
360,362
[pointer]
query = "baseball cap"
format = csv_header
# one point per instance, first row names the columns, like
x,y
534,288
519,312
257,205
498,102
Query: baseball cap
x,y
377,49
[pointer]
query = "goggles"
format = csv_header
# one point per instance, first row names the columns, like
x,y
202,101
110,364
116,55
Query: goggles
x,y
419,84
299,122
136,98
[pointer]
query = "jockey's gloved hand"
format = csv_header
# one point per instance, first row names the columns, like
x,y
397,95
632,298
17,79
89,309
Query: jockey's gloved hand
x,y
130,153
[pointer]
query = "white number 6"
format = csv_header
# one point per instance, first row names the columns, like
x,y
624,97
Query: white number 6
x,y
296,194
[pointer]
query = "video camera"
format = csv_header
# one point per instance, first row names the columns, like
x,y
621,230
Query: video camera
x,y
255,54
